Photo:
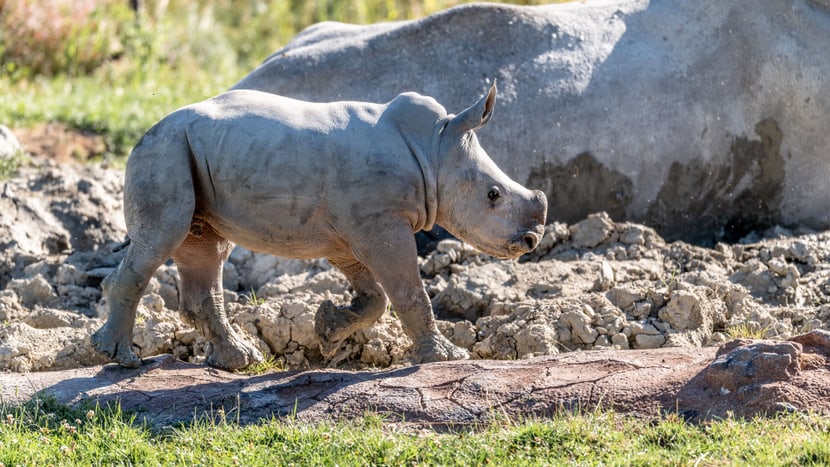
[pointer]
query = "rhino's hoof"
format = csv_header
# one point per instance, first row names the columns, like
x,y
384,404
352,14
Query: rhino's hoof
x,y
436,348
329,349
326,316
233,354
119,350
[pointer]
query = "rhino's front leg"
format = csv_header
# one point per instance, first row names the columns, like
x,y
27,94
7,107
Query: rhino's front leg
x,y
333,323
393,259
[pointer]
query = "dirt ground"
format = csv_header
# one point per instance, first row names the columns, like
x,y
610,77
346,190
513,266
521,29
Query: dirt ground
x,y
602,313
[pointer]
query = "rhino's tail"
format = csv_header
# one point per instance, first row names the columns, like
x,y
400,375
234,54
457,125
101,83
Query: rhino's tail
x,y
121,246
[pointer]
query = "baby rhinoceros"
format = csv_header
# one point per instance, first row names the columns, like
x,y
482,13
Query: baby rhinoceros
x,y
347,181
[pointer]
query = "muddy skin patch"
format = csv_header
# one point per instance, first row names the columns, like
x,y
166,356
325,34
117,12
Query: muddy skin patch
x,y
698,202
581,187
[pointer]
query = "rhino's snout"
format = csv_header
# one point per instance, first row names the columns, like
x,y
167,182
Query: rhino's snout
x,y
526,241
531,240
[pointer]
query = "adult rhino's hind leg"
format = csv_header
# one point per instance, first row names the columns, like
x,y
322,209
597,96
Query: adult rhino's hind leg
x,y
201,303
333,323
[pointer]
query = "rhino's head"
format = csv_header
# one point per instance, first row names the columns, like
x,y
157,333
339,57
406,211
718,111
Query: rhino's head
x,y
477,202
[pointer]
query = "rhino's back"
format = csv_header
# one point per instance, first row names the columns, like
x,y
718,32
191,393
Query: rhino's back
x,y
251,144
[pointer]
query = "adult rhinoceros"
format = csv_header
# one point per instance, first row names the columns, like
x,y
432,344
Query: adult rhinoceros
x,y
348,181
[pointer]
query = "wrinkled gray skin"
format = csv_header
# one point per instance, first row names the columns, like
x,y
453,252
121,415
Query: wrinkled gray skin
x,y
347,181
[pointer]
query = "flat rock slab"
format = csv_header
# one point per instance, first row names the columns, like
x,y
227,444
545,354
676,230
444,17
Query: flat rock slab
x,y
165,391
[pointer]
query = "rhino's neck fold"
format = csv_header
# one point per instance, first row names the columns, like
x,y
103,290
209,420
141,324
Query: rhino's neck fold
x,y
430,187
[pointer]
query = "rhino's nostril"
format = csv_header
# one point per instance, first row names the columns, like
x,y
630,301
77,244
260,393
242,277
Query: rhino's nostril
x,y
530,240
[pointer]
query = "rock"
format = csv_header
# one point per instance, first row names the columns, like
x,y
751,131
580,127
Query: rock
x,y
816,342
607,277
683,311
471,295
649,294
461,333
269,324
741,363
68,274
800,251
10,307
625,297
536,339
633,235
34,291
375,353
648,341
592,231
756,277
620,340
578,324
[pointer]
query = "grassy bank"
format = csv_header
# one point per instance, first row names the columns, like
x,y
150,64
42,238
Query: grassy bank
x,y
97,65
49,434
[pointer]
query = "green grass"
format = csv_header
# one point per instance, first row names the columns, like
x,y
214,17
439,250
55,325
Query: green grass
x,y
10,165
747,331
121,110
271,364
49,434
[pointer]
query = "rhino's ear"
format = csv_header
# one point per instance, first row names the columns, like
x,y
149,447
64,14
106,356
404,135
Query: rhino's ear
x,y
477,114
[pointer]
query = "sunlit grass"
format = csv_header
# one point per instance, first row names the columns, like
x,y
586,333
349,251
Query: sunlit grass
x,y
747,330
121,111
46,433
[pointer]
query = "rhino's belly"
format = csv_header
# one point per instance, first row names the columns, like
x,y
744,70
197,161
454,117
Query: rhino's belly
x,y
288,226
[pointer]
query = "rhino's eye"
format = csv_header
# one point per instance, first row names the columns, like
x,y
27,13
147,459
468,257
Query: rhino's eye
x,y
493,194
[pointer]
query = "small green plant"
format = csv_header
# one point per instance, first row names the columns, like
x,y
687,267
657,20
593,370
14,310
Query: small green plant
x,y
671,281
254,300
9,166
747,330
271,364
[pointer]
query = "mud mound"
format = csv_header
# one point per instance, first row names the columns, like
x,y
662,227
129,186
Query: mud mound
x,y
596,284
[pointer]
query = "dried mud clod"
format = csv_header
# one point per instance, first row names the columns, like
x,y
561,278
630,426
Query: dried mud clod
x,y
595,284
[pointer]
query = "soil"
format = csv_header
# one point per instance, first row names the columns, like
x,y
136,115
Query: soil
x,y
603,313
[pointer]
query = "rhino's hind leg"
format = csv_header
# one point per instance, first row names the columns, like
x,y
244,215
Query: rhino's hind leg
x,y
333,323
159,201
123,289
201,302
